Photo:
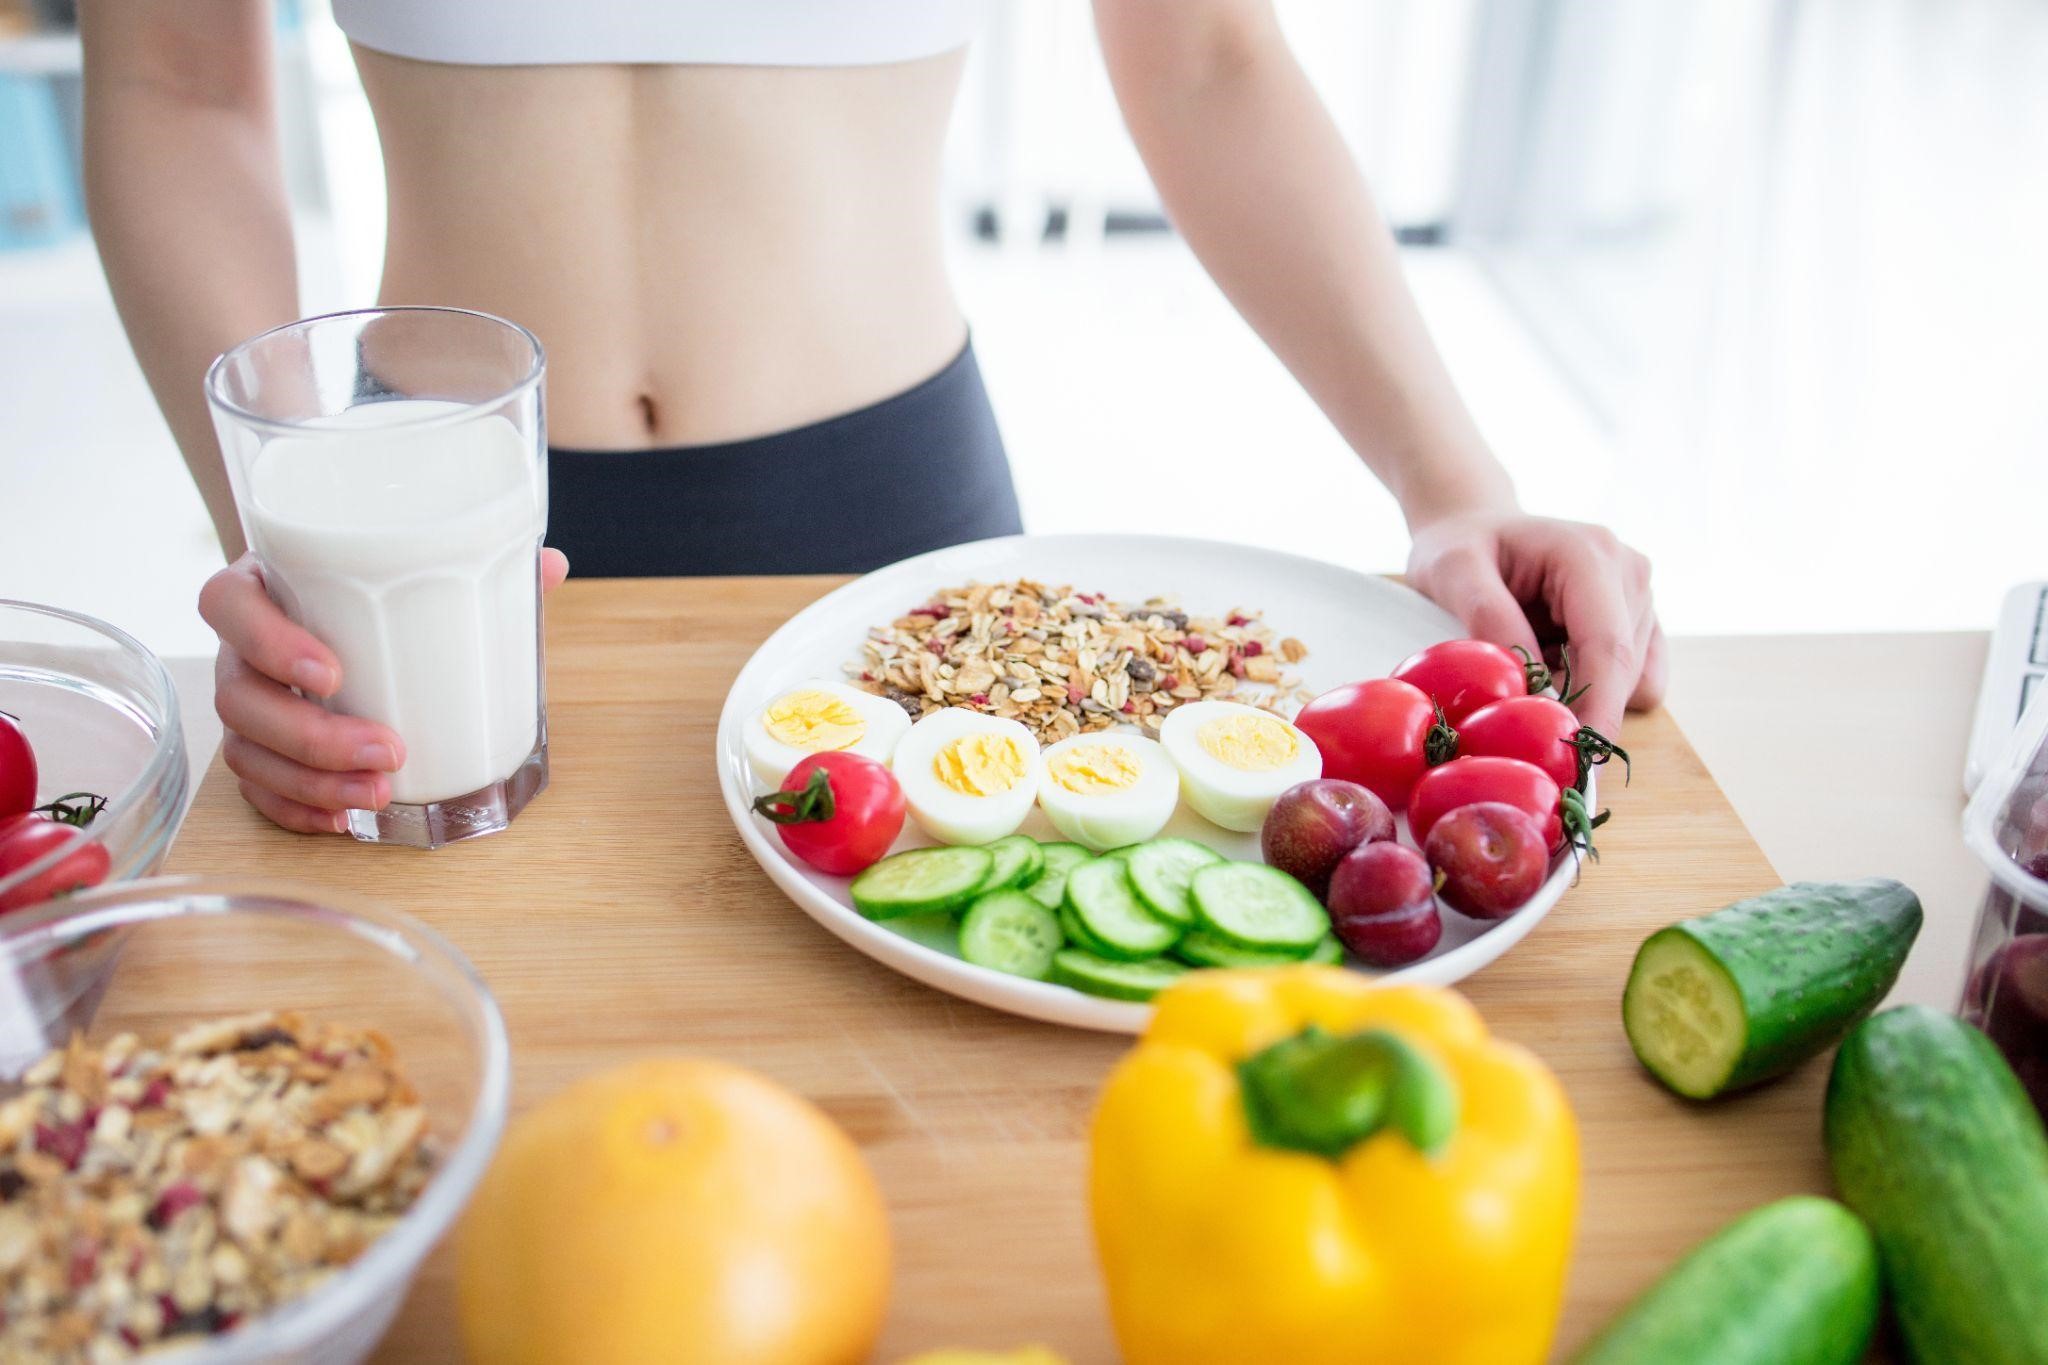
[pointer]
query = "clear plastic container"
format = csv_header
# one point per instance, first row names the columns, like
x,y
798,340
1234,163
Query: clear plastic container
x,y
151,957
103,717
2006,826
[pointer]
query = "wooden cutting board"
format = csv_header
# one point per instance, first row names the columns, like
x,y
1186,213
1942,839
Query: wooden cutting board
x,y
621,917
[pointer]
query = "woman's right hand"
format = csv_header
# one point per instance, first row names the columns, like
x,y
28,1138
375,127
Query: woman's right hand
x,y
297,762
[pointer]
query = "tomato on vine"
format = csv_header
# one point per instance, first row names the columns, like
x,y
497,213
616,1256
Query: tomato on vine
x,y
1382,734
837,811
1463,675
1542,731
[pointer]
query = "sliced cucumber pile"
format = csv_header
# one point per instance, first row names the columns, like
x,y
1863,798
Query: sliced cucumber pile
x,y
1125,924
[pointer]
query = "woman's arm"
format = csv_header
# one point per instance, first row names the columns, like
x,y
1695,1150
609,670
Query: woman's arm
x,y
185,186
186,189
1257,179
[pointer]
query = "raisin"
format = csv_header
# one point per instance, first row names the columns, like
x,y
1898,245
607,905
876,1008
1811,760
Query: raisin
x,y
273,1036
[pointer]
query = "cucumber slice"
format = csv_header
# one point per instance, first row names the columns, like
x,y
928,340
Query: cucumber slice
x,y
1116,921
1160,872
1749,992
1077,932
1084,971
918,881
1049,887
1255,906
1017,861
1200,948
1007,931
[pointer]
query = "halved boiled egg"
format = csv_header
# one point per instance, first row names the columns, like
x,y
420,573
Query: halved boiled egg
x,y
818,716
1235,760
1108,788
968,778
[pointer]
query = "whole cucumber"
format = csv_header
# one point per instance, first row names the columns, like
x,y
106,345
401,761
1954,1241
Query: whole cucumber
x,y
1791,1283
1933,1141
1751,991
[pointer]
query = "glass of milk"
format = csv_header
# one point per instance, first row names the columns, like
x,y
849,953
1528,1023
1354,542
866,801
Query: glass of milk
x,y
390,467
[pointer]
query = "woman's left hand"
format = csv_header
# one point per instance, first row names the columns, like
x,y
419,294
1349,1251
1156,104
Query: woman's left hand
x,y
1534,582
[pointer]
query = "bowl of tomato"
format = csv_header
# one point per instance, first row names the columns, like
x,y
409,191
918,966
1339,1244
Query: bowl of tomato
x,y
93,773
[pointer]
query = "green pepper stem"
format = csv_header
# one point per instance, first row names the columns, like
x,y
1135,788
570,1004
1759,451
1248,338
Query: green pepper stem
x,y
1324,1093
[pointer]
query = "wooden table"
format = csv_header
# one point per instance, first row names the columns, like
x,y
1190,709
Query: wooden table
x,y
621,917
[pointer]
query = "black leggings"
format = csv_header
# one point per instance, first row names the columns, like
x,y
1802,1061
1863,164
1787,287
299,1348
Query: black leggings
x,y
915,472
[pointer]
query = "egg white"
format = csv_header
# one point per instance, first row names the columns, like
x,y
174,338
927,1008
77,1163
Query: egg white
x,y
953,817
1231,797
884,725
1111,819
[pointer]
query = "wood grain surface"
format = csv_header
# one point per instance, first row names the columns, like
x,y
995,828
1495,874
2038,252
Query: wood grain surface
x,y
621,917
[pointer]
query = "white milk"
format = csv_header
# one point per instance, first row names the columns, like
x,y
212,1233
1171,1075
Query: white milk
x,y
411,554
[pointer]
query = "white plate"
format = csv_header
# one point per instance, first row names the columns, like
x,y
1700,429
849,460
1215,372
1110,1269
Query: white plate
x,y
1355,626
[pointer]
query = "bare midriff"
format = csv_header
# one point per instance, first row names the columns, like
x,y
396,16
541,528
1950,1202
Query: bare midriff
x,y
708,253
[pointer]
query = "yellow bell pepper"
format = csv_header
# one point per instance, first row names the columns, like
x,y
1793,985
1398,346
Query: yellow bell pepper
x,y
1299,1167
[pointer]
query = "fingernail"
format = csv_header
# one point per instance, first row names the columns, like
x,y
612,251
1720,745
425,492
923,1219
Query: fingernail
x,y
360,795
378,758
314,676
339,823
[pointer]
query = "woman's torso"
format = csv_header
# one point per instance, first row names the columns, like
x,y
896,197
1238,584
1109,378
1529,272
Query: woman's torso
x,y
707,252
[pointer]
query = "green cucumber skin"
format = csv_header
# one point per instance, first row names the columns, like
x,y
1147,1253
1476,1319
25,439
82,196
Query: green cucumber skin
x,y
1934,1142
1791,1283
1809,960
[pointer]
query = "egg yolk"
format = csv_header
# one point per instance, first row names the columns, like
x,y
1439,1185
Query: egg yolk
x,y
1253,744
980,765
813,721
1093,769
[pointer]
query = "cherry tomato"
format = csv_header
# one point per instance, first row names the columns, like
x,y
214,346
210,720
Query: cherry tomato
x,y
1536,730
1463,781
839,812
1381,734
1463,675
17,768
26,838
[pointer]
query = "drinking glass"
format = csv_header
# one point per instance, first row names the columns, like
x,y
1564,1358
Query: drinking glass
x,y
390,469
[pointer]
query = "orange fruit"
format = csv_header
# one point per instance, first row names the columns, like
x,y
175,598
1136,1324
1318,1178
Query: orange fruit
x,y
674,1210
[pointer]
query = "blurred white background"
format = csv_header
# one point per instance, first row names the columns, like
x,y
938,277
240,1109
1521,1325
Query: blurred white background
x,y
1757,282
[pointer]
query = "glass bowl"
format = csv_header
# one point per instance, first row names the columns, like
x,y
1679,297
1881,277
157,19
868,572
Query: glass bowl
x,y
102,716
151,957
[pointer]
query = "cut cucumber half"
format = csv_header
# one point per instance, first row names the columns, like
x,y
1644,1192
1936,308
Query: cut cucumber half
x,y
1200,948
1102,899
919,881
1256,906
1084,971
1017,860
1049,887
1007,931
1751,991
1160,872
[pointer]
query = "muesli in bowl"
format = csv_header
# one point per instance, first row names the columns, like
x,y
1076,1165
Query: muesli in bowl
x,y
237,1117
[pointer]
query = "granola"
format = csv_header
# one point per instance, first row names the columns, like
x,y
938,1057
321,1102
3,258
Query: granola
x,y
151,1192
1064,662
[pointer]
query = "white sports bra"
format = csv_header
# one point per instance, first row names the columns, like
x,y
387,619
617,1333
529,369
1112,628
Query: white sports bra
x,y
663,32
